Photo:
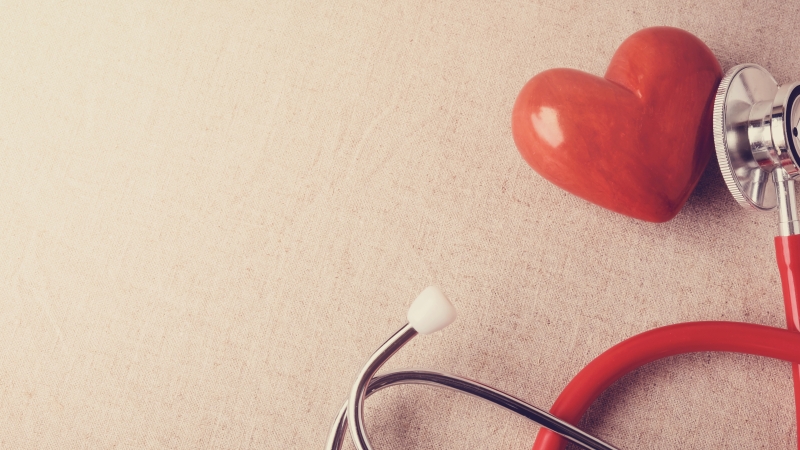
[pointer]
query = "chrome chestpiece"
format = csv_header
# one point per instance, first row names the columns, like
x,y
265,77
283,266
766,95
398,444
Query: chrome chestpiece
x,y
756,139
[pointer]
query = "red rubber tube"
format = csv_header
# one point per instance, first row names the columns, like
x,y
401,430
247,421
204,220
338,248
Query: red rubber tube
x,y
659,343
787,250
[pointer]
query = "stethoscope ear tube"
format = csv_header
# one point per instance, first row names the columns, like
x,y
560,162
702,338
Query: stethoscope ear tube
x,y
464,385
431,311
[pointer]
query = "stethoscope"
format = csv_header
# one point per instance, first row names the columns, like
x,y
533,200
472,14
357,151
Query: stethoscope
x,y
755,123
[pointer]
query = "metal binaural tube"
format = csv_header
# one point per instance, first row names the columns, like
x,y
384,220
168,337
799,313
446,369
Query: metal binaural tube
x,y
439,379
355,403
430,312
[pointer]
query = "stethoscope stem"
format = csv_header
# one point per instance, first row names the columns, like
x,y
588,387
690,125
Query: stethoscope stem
x,y
351,418
788,224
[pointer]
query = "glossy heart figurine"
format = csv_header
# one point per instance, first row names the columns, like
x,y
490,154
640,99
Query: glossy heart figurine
x,y
636,141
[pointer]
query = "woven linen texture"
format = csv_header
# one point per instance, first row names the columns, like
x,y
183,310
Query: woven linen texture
x,y
213,212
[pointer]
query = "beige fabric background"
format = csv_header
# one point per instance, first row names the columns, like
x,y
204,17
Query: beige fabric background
x,y
212,212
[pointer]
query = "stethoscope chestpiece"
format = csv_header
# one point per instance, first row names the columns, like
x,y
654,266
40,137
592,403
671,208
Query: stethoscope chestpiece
x,y
756,140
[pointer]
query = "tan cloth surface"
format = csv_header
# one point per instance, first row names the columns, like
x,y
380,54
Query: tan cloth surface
x,y
213,212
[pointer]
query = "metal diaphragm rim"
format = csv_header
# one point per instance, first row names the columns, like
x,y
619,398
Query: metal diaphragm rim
x,y
741,88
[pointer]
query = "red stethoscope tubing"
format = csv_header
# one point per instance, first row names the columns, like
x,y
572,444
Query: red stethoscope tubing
x,y
659,343
787,250
689,337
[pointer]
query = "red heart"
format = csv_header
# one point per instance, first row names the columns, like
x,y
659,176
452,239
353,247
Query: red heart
x,y
636,141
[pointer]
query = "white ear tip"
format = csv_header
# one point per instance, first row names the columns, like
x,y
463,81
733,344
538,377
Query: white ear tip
x,y
431,311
